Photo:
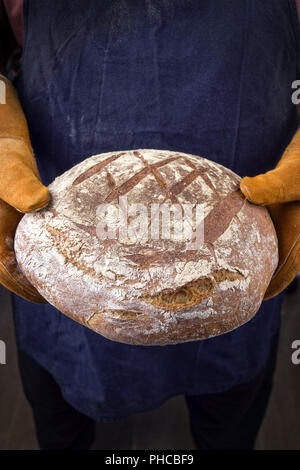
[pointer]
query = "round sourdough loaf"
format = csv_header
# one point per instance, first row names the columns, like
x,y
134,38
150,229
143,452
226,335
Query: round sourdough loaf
x,y
153,290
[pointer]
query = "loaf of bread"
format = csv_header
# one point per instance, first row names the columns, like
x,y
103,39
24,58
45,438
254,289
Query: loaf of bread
x,y
96,254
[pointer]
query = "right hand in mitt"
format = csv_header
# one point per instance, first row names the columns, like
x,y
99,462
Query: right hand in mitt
x,y
21,190
279,190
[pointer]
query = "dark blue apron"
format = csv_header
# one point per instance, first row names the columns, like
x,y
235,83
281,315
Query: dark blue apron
x,y
211,78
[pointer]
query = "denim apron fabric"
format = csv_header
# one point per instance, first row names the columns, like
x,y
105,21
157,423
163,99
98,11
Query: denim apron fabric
x,y
210,78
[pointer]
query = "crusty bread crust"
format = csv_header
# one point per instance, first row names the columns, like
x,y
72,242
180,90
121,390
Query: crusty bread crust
x,y
156,291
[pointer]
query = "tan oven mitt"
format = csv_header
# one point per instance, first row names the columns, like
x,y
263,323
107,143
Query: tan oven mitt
x,y
20,188
279,190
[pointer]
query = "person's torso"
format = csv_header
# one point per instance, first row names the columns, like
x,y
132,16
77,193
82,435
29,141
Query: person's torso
x,y
208,78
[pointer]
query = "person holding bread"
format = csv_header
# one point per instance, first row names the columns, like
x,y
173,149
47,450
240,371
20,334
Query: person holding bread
x,y
207,78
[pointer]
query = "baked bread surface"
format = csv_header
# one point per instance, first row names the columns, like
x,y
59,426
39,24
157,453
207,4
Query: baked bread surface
x,y
149,291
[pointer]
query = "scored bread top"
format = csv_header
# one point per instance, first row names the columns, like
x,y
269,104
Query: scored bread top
x,y
145,291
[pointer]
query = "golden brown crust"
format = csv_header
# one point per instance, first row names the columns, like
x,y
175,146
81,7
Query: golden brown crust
x,y
154,291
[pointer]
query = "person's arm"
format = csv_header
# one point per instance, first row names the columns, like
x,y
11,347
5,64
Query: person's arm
x,y
279,189
21,190
20,187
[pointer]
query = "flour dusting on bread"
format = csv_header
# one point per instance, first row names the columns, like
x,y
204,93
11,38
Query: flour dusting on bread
x,y
154,291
